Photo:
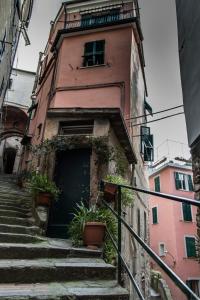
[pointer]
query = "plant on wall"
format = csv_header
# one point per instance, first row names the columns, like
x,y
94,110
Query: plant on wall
x,y
82,215
127,194
99,144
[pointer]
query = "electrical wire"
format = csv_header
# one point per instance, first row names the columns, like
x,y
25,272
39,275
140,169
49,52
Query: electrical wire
x,y
158,112
134,125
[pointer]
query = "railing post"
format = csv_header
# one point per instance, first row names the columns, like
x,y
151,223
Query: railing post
x,y
119,210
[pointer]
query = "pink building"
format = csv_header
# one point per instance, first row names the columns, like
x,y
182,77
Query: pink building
x,y
173,225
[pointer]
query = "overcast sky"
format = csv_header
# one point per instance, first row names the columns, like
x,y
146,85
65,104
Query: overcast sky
x,y
162,64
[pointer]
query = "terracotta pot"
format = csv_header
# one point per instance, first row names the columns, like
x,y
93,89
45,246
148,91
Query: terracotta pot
x,y
110,192
43,199
94,233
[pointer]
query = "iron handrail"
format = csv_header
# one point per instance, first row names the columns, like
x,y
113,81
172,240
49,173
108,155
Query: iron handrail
x,y
176,279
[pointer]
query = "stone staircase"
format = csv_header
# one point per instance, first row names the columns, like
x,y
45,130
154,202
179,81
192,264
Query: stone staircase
x,y
34,267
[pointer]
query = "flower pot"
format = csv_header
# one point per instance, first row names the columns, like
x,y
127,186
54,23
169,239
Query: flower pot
x,y
110,192
43,199
94,233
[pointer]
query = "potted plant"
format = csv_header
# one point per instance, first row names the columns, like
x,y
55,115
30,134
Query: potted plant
x,y
110,190
43,189
88,226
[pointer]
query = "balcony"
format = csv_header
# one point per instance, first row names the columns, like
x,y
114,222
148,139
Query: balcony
x,y
100,19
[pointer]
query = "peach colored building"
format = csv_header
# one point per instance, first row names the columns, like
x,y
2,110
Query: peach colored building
x,y
90,80
173,225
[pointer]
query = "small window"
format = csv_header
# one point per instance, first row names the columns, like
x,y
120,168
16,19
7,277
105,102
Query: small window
x,y
190,246
194,285
183,181
77,128
155,215
162,249
1,87
138,222
145,226
187,212
2,45
94,53
157,184
10,82
39,129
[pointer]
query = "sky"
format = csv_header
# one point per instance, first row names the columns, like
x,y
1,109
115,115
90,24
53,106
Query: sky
x,y
158,18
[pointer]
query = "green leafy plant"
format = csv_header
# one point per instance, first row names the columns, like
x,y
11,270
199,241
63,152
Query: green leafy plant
x,y
39,183
127,194
83,215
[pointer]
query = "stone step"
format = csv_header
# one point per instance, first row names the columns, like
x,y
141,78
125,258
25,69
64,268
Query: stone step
x,y
84,290
14,196
14,207
26,206
7,228
51,270
13,213
16,221
19,238
44,250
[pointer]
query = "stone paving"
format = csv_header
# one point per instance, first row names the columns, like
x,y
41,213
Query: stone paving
x,y
35,267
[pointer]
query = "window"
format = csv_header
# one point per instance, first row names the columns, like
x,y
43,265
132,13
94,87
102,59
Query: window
x,y
138,222
1,87
10,82
101,17
145,226
157,184
161,249
2,45
194,285
84,127
187,212
190,243
183,181
155,215
39,129
147,143
94,53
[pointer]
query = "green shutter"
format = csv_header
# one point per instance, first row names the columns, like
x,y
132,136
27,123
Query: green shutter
x,y
187,212
177,181
155,215
190,184
157,184
190,247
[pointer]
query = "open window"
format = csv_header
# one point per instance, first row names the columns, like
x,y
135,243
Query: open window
x,y
94,53
147,143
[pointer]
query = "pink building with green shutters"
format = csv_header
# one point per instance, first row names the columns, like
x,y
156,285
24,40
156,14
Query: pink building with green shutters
x,y
173,225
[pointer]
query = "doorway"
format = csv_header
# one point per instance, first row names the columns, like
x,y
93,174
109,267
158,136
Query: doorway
x,y
9,156
72,176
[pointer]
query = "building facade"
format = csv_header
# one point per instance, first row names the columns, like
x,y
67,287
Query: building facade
x,y
173,225
91,79
15,119
189,46
14,19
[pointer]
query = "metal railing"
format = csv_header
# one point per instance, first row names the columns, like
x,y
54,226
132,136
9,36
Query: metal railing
x,y
101,20
118,244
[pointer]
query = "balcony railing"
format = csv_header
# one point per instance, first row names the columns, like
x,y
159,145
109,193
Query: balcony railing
x,y
101,19
118,244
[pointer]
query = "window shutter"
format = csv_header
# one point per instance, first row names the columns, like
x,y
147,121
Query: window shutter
x,y
157,184
190,184
155,215
177,181
190,247
187,212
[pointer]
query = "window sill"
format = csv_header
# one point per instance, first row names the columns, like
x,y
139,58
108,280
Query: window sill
x,y
94,66
192,258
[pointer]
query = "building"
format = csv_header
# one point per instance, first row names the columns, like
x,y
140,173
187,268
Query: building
x,y
14,19
189,47
14,119
173,225
90,79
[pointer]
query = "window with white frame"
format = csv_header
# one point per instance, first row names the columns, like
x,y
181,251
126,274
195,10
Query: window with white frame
x,y
162,249
194,285
183,181
190,245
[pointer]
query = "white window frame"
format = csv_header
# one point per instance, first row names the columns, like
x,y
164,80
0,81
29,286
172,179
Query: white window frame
x,y
190,236
159,249
182,219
